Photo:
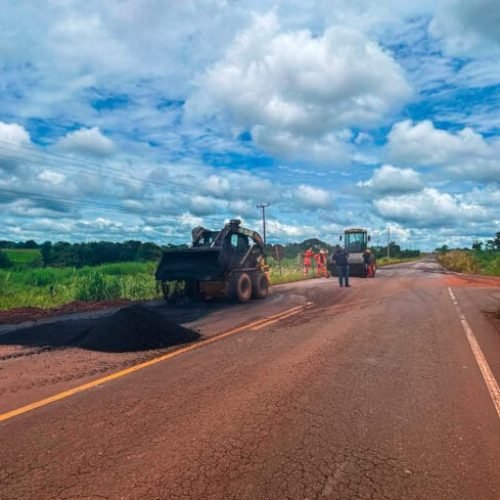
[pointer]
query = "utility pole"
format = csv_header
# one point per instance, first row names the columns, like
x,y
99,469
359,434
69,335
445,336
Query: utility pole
x,y
263,206
388,242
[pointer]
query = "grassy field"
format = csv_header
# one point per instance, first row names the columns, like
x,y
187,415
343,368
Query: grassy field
x,y
291,270
50,287
472,262
21,257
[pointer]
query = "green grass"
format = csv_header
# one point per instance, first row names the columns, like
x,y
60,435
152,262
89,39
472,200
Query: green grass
x,y
51,287
291,270
389,261
472,262
23,257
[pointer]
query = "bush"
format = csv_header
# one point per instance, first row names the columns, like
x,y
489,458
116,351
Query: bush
x,y
94,287
459,261
5,262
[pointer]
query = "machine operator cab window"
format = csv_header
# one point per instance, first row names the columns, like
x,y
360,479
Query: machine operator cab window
x,y
355,242
239,244
238,248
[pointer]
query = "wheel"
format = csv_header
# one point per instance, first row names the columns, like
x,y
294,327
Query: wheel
x,y
191,290
165,289
241,287
260,286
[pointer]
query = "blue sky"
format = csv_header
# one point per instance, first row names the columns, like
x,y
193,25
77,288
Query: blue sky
x,y
139,119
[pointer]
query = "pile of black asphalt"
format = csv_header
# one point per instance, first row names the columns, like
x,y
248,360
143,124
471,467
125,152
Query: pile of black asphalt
x,y
132,328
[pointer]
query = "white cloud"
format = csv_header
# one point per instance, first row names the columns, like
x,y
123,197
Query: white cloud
x,y
12,138
202,205
285,84
13,135
312,197
87,141
242,207
429,208
389,180
464,154
468,27
189,220
51,177
329,149
278,229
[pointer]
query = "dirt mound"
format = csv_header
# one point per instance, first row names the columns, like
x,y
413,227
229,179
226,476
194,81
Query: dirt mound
x,y
133,328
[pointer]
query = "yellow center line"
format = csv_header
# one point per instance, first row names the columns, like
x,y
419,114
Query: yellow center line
x,y
122,373
270,321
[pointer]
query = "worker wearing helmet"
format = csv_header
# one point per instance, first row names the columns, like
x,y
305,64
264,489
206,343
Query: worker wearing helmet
x,y
321,259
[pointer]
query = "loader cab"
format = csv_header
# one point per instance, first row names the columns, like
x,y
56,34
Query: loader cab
x,y
355,240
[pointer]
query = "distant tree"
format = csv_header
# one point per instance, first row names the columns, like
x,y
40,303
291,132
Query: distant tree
x,y
477,245
496,241
443,248
30,244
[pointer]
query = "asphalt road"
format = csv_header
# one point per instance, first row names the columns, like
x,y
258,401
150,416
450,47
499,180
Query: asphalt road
x,y
369,392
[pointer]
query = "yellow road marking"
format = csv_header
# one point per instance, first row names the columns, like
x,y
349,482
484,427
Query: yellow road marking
x,y
291,312
113,376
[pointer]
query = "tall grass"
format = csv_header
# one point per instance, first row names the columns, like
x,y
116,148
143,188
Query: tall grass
x,y
459,261
50,287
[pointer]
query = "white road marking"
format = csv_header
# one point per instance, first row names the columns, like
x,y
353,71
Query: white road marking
x,y
488,377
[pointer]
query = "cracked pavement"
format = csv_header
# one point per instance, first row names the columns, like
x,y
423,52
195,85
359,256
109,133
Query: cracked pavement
x,y
372,394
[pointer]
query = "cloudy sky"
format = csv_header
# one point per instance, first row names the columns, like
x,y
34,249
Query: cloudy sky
x,y
139,119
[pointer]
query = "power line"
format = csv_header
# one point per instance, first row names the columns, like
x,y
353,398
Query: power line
x,y
33,156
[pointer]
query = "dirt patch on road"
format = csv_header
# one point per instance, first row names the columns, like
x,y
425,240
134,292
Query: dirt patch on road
x,y
494,318
456,280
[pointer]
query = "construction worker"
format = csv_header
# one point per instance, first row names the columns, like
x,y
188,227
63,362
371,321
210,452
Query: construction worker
x,y
340,258
366,261
308,255
321,259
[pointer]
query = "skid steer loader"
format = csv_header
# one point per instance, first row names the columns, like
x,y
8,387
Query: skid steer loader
x,y
228,263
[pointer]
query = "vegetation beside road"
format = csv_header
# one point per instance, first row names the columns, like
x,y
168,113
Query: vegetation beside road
x,y
389,261
471,261
52,287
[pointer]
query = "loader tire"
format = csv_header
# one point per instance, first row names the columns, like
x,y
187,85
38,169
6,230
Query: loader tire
x,y
260,286
240,287
191,290
165,289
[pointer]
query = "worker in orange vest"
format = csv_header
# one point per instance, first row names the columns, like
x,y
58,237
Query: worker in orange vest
x,y
321,259
308,255
323,263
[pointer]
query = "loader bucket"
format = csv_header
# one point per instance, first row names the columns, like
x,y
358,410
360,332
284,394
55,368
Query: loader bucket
x,y
187,265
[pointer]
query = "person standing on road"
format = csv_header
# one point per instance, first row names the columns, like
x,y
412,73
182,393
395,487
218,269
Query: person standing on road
x,y
366,261
308,255
340,258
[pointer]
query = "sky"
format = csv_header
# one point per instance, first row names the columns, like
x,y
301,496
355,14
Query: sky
x,y
141,119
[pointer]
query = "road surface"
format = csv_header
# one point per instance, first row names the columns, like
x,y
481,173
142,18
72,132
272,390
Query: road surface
x,y
371,392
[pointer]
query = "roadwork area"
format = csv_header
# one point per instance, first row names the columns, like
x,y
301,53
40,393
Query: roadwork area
x,y
321,392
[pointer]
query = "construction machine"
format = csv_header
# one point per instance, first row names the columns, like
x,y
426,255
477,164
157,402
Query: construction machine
x,y
355,243
229,262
